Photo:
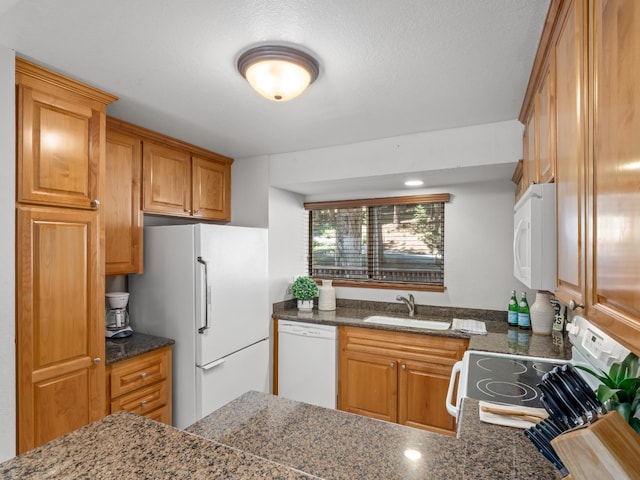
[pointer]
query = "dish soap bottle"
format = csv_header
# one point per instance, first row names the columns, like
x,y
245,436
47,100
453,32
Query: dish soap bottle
x,y
524,318
512,311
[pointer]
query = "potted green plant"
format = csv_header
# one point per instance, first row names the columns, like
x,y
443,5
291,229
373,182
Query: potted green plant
x,y
305,290
620,389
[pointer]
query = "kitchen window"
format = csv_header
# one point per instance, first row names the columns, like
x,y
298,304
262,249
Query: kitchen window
x,y
379,243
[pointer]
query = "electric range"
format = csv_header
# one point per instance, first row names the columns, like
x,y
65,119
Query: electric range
x,y
512,379
500,378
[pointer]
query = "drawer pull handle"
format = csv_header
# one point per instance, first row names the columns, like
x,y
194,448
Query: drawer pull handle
x,y
404,366
143,375
143,403
392,364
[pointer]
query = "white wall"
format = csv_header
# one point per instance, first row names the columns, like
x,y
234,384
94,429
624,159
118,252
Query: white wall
x,y
478,246
489,144
479,217
250,192
7,258
287,237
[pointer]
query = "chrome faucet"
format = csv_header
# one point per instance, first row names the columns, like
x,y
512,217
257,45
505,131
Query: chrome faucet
x,y
410,303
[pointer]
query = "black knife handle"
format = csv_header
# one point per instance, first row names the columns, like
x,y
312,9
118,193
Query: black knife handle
x,y
583,387
552,408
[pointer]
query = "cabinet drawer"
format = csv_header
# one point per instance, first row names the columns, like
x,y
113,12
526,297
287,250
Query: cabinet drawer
x,y
127,376
144,400
162,414
403,345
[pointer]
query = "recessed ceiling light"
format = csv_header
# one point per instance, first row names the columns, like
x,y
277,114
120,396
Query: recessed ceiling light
x,y
277,72
414,183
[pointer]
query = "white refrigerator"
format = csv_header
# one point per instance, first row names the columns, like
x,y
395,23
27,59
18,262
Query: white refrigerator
x,y
205,286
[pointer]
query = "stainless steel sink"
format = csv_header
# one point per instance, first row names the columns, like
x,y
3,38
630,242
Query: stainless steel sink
x,y
408,322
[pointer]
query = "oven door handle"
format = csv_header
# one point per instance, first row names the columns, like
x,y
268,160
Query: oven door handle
x,y
451,408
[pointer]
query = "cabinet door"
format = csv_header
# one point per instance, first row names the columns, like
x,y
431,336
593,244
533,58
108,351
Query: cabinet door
x,y
570,155
545,162
614,231
60,323
422,394
211,190
122,212
59,148
529,167
166,180
367,385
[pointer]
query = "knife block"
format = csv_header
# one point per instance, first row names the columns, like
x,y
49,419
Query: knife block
x,y
606,449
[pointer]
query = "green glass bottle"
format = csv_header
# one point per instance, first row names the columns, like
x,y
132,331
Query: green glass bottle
x,y
524,319
512,311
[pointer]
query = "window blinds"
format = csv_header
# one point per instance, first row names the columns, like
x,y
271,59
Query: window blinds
x,y
398,240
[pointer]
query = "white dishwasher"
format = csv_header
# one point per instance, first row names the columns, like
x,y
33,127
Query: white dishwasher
x,y
307,358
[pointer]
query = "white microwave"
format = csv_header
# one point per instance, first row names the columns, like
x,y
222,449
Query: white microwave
x,y
534,237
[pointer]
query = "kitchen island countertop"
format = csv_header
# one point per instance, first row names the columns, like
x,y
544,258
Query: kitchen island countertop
x,y
128,446
263,436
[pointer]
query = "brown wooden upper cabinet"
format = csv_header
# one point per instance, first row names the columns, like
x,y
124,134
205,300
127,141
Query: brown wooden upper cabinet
x,y
613,189
152,173
177,181
59,128
593,47
123,220
571,78
538,116
166,180
180,179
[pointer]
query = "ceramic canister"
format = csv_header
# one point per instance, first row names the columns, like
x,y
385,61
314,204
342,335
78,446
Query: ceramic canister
x,y
542,313
327,296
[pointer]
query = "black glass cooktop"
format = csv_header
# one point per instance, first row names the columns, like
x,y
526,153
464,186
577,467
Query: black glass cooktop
x,y
509,380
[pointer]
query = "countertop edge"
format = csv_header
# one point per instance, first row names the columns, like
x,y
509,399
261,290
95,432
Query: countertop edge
x,y
117,350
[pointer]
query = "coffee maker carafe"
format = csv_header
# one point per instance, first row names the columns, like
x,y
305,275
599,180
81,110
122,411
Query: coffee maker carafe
x,y
116,315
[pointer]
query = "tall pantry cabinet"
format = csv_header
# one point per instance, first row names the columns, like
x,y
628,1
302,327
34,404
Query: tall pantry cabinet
x,y
60,254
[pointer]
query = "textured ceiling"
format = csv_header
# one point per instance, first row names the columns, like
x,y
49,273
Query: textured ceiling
x,y
388,67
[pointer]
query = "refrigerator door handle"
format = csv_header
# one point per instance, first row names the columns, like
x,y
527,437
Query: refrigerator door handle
x,y
206,296
211,365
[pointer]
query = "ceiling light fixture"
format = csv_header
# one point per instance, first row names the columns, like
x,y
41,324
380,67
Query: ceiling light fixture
x,y
277,72
414,183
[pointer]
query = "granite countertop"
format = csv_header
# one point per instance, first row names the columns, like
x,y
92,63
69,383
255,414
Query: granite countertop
x,y
500,337
329,443
503,451
118,349
332,444
128,446
263,436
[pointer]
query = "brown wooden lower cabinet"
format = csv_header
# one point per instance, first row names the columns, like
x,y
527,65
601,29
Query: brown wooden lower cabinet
x,y
396,376
142,385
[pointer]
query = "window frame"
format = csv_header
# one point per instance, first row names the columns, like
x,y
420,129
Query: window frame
x,y
374,202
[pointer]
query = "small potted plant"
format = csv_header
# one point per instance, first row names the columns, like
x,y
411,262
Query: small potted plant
x,y
620,389
305,290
